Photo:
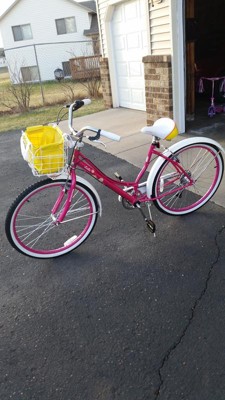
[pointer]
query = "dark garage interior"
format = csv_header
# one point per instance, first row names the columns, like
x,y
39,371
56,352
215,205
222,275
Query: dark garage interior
x,y
205,57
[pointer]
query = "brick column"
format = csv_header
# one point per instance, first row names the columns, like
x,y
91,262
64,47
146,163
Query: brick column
x,y
158,87
106,84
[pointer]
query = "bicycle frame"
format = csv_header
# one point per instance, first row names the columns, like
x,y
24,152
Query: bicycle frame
x,y
120,187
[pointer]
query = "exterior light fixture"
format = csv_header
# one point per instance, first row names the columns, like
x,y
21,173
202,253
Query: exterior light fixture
x,y
155,1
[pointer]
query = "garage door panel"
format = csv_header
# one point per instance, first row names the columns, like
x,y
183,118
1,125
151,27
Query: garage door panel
x,y
118,16
122,69
133,41
129,28
125,82
131,88
120,43
135,69
130,10
134,84
137,95
126,95
122,57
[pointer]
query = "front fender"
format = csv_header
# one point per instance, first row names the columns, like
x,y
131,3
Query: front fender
x,y
79,179
176,146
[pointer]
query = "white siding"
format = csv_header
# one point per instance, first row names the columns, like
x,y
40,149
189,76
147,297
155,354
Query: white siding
x,y
160,27
41,15
101,9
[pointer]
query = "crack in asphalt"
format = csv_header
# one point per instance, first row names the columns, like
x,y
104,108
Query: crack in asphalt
x,y
197,301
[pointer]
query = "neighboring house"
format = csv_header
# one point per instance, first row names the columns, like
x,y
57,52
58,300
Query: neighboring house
x,y
41,36
149,60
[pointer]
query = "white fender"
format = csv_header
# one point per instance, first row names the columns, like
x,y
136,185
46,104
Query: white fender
x,y
79,179
172,149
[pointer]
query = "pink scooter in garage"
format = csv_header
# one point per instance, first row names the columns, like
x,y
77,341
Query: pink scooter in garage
x,y
213,108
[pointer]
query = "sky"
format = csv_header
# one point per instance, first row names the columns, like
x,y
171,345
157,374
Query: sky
x,y
4,4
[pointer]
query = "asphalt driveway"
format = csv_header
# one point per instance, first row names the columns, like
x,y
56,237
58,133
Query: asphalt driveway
x,y
124,317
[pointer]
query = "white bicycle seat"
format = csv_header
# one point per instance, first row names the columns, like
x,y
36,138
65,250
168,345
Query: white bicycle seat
x,y
163,128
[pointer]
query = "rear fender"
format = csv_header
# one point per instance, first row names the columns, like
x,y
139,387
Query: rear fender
x,y
177,146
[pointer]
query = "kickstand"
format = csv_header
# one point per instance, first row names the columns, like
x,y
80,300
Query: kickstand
x,y
150,215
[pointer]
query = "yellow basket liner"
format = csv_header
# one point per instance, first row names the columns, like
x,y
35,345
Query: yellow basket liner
x,y
45,148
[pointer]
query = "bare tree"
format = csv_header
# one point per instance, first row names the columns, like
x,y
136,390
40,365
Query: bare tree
x,y
19,91
69,91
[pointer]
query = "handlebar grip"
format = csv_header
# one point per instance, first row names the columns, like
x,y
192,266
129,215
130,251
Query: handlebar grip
x,y
79,103
110,135
86,102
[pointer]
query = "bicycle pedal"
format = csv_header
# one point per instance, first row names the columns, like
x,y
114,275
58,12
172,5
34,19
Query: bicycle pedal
x,y
151,226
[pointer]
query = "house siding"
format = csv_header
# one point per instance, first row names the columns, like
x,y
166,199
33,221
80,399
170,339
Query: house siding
x,y
101,9
160,29
41,16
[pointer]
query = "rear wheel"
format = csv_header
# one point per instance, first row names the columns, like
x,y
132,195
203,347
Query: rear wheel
x,y
31,228
203,163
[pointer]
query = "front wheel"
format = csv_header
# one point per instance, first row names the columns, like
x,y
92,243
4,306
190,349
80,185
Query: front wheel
x,y
31,228
203,164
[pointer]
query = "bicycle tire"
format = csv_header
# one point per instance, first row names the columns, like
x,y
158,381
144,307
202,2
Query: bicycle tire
x,y
31,230
204,163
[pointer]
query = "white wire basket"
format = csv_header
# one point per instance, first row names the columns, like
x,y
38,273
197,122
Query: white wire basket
x,y
45,149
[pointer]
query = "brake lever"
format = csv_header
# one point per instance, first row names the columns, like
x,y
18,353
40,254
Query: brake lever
x,y
100,142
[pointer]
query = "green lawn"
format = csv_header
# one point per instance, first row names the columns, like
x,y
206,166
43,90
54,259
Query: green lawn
x,y
42,116
55,96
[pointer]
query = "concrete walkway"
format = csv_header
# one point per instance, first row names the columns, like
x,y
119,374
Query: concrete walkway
x,y
133,145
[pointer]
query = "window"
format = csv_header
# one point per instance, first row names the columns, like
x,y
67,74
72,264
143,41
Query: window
x,y
22,32
29,74
65,25
66,68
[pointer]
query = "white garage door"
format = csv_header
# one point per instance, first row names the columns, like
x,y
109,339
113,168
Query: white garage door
x,y
129,33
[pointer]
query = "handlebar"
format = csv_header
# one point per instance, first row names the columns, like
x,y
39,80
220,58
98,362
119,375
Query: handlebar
x,y
110,135
75,106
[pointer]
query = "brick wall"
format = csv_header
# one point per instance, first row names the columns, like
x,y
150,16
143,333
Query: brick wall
x,y
158,87
106,84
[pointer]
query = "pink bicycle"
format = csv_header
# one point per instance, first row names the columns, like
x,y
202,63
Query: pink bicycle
x,y
56,215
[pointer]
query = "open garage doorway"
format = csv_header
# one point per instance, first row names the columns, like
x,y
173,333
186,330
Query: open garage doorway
x,y
205,57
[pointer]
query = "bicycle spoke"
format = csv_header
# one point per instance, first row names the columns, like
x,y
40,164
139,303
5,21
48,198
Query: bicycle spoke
x,y
34,241
44,225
